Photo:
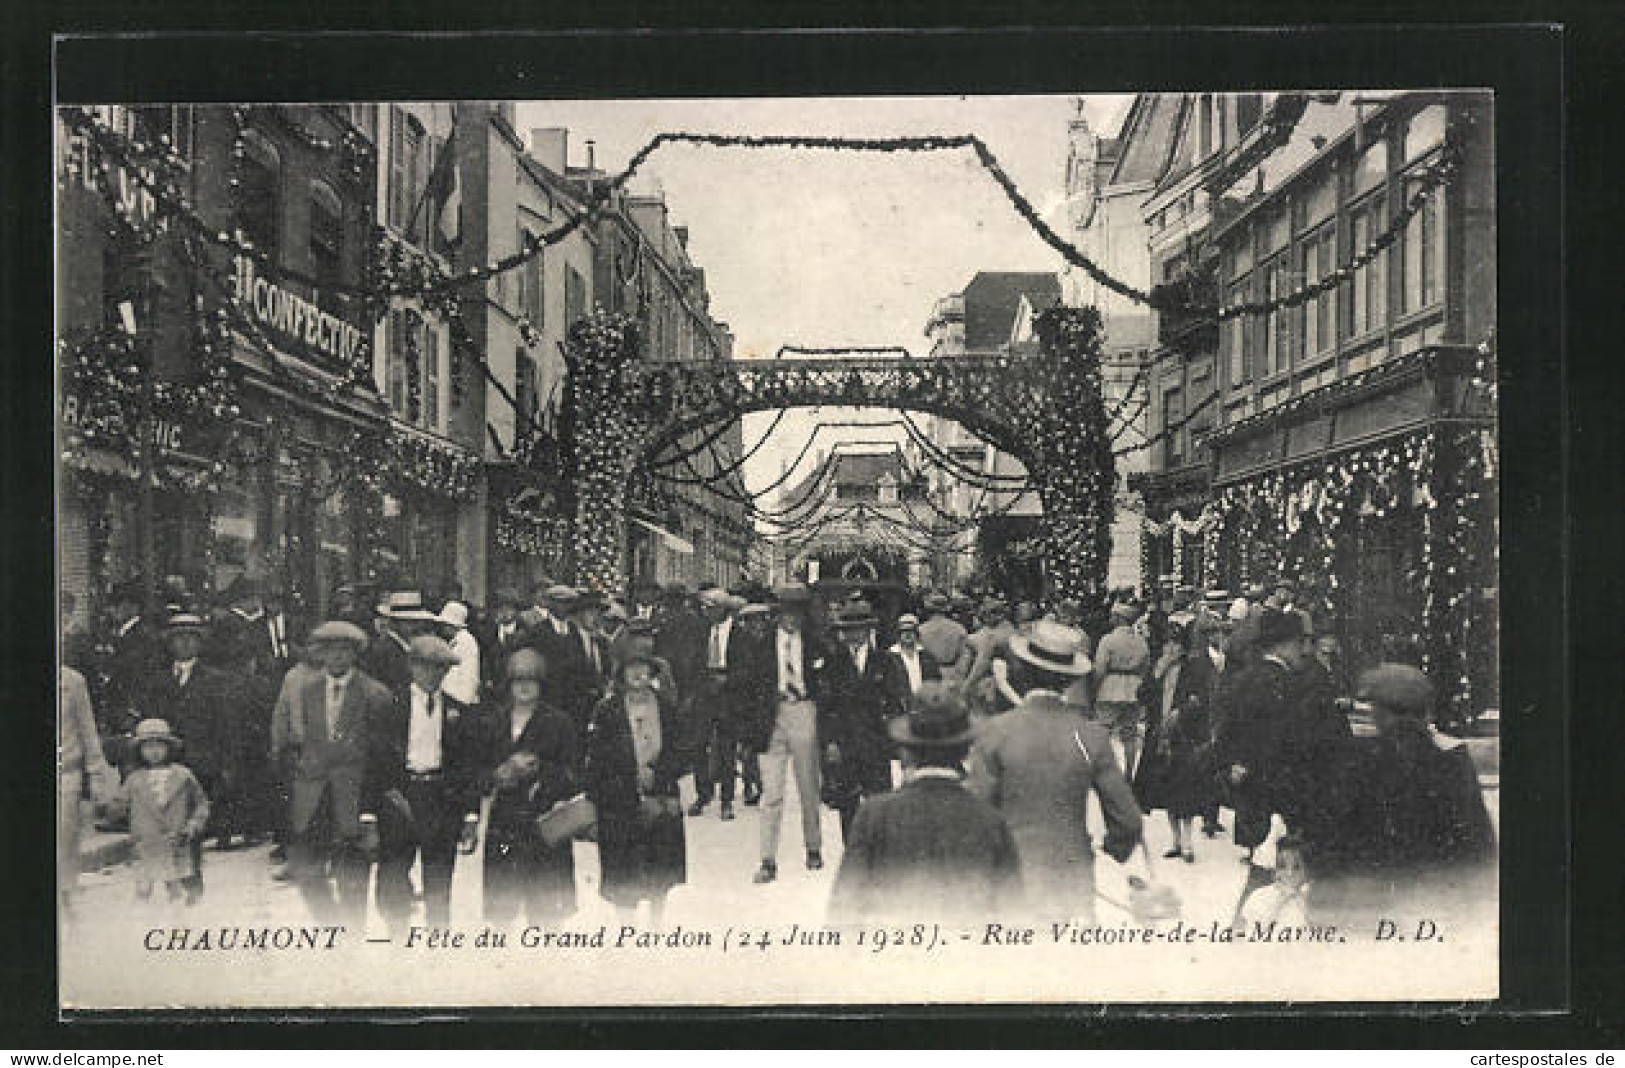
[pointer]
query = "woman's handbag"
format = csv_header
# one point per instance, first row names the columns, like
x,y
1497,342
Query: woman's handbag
x,y
570,819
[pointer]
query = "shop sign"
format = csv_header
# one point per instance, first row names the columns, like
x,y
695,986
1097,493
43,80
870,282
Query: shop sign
x,y
292,316
165,434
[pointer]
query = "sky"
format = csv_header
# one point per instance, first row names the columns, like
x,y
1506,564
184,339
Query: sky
x,y
821,248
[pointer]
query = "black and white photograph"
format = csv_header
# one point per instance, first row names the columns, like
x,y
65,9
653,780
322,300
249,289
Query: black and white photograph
x,y
776,551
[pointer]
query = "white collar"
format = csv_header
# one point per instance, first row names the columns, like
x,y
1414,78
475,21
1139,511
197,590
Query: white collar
x,y
418,690
255,618
338,680
129,624
187,664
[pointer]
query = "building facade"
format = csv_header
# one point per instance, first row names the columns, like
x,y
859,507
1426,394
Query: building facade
x,y
1351,387
215,362
690,520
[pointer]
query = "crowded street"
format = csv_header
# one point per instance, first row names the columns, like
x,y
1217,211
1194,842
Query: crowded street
x,y
521,571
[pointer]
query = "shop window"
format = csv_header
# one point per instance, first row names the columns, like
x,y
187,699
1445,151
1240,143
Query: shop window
x,y
408,172
1422,257
431,378
259,195
1172,412
1369,294
532,298
1238,336
326,243
1425,132
1319,318
575,297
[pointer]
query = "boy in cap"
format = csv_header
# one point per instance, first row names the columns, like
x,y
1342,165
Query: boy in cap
x,y
420,797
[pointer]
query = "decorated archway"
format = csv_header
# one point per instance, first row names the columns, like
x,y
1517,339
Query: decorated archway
x,y
1045,409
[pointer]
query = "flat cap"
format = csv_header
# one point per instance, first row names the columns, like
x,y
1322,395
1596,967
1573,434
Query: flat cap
x,y
1398,687
337,630
431,650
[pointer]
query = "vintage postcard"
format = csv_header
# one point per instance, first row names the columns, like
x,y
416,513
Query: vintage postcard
x,y
778,551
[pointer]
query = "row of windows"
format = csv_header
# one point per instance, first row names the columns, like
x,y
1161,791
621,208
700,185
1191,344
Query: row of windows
x,y
1260,346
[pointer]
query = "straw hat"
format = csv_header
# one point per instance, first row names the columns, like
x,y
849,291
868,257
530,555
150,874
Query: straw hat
x,y
1054,647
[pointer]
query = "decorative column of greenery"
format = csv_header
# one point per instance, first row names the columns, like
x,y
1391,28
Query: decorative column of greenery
x,y
608,431
1075,470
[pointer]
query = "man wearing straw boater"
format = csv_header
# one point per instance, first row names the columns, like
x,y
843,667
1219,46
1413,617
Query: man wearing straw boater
x,y
1038,763
319,733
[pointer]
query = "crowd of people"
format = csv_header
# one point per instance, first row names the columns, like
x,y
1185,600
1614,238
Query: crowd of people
x,y
960,743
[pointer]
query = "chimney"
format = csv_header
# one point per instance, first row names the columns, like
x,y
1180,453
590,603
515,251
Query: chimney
x,y
682,235
550,145
591,154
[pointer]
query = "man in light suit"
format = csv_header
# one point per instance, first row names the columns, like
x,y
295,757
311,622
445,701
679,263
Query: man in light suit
x,y
319,735
1038,763
781,719
931,850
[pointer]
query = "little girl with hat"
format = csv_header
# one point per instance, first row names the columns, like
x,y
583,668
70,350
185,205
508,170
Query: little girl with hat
x,y
168,811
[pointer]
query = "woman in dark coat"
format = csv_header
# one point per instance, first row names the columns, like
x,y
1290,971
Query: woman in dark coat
x,y
635,755
534,752
1176,772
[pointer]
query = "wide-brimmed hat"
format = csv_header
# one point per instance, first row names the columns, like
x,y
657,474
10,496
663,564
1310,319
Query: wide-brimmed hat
x,y
908,621
407,605
733,602
428,649
755,611
183,621
454,614
855,614
1277,626
337,630
935,602
936,717
1397,687
155,730
562,594
527,663
1054,647
713,597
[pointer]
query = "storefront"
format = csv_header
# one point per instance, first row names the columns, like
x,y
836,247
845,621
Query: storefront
x,y
1376,496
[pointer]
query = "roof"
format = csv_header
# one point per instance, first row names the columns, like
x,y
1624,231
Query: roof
x,y
991,299
1146,141
850,469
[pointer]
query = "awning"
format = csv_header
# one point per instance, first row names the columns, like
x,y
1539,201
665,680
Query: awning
x,y
673,541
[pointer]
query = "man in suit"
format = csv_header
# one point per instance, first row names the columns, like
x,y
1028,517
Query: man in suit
x,y
932,850
401,617
499,640
586,620
549,631
909,665
857,748
1122,660
1038,764
1255,713
203,704
135,652
420,793
712,713
779,708
319,735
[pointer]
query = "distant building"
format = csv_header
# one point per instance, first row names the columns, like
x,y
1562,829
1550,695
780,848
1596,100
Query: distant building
x,y
988,317
867,522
